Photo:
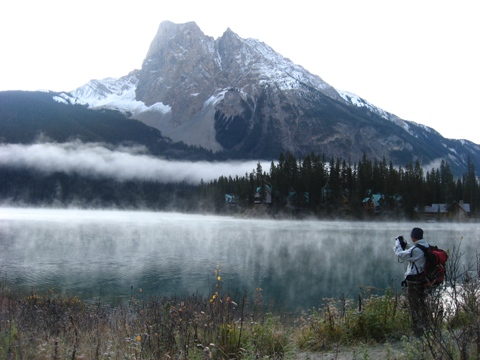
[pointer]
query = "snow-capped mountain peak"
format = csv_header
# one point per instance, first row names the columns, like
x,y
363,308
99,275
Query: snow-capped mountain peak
x,y
239,95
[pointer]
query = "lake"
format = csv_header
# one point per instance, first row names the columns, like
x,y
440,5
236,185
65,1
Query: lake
x,y
113,255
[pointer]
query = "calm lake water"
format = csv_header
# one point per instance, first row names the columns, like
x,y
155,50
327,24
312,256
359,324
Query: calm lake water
x,y
112,255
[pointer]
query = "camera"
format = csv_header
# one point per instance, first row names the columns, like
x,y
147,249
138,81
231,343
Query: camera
x,y
402,241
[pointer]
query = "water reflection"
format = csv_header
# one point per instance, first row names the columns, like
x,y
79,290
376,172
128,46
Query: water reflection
x,y
112,254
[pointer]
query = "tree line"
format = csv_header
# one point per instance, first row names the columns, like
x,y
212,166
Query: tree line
x,y
338,188
311,185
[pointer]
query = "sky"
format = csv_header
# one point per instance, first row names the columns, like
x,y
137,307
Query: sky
x,y
416,59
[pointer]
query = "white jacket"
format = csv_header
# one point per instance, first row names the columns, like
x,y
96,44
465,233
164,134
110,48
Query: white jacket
x,y
414,256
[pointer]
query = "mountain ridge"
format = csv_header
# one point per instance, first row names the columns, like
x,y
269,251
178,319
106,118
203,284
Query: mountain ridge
x,y
240,97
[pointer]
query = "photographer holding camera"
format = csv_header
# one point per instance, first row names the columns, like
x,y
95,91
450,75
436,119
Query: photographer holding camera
x,y
416,263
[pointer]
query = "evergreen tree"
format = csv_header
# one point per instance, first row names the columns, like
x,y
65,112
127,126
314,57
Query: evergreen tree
x,y
365,174
447,183
471,191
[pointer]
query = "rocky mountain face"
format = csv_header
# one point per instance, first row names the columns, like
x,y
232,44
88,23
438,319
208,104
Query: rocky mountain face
x,y
240,96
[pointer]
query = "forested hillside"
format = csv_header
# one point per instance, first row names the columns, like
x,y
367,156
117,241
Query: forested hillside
x,y
26,117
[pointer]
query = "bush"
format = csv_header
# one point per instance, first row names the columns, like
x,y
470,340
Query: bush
x,y
342,322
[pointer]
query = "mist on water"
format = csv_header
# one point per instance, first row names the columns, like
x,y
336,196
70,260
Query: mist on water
x,y
112,255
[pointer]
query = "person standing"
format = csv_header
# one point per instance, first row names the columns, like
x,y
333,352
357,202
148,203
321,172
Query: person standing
x,y
416,294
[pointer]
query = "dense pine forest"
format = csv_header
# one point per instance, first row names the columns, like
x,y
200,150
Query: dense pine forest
x,y
337,188
310,186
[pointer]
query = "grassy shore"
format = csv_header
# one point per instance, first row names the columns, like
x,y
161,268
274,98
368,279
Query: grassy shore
x,y
219,326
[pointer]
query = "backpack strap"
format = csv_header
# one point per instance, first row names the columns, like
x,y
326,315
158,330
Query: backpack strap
x,y
424,250
421,247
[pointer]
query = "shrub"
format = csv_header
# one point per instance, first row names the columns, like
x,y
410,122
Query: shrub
x,y
341,321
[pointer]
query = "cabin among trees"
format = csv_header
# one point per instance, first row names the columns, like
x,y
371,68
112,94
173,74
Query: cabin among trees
x,y
263,194
381,204
373,204
230,200
456,211
460,210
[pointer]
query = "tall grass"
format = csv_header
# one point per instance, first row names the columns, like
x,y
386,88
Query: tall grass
x,y
219,326
373,318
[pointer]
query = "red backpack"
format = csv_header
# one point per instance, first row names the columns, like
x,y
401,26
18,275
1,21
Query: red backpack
x,y
434,272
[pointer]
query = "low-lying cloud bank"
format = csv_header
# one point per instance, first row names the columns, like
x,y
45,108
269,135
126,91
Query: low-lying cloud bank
x,y
119,163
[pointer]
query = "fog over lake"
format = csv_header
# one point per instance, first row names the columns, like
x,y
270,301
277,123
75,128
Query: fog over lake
x,y
112,255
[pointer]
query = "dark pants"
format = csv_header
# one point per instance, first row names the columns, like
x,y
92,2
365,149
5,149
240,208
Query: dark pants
x,y
417,301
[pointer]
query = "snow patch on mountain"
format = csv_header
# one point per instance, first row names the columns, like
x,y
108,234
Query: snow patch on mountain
x,y
360,102
214,99
61,100
286,74
113,93
406,125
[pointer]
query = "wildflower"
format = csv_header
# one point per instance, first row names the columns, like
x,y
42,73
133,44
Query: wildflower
x,y
219,278
139,338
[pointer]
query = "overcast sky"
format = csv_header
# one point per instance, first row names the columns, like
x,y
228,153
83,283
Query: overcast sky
x,y
417,59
